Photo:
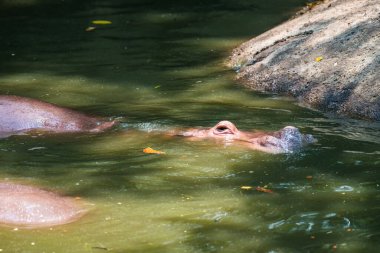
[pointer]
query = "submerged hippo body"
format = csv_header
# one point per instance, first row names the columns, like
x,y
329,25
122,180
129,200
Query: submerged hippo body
x,y
287,140
31,207
20,115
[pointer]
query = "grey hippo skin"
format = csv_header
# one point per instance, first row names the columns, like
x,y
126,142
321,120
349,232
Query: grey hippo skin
x,y
287,140
21,115
31,207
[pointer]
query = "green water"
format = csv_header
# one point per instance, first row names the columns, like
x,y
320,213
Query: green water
x,y
159,66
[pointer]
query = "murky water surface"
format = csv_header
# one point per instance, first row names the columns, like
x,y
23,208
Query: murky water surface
x,y
159,66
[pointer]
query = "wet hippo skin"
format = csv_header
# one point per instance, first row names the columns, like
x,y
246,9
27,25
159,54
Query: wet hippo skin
x,y
20,115
287,140
31,207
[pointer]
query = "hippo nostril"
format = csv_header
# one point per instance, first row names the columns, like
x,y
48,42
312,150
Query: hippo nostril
x,y
224,128
221,128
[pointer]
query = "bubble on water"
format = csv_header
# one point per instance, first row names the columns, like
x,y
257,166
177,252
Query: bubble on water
x,y
311,222
124,125
216,217
306,226
286,185
311,214
329,215
344,188
291,186
276,224
149,127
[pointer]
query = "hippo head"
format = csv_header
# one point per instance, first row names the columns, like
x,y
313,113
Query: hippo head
x,y
287,140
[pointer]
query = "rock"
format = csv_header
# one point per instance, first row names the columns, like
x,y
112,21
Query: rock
x,y
328,58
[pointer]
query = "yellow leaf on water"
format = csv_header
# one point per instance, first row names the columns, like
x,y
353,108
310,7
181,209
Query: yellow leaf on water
x,y
246,187
152,151
318,59
101,22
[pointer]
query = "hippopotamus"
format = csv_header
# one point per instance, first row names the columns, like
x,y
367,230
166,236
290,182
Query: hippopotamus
x,y
20,115
286,140
31,207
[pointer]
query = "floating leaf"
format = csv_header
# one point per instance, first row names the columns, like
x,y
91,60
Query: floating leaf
x,y
262,189
157,86
101,22
246,187
318,59
152,151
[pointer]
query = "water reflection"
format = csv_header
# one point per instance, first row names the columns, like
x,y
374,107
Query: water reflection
x,y
158,67
344,188
312,222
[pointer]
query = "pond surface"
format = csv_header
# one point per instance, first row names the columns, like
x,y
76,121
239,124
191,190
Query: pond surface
x,y
157,67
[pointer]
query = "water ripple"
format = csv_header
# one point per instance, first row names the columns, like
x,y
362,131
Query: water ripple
x,y
311,222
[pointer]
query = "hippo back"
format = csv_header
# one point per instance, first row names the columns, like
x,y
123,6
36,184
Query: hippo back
x,y
19,114
31,207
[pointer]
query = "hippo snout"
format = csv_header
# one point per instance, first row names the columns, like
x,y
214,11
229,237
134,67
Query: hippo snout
x,y
292,139
309,139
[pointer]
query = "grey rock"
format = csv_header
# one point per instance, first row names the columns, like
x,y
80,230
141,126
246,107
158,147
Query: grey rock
x,y
346,34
